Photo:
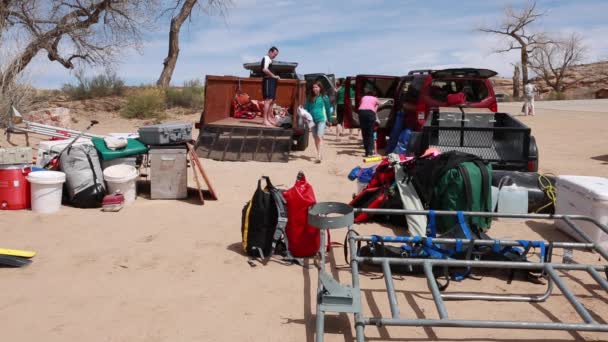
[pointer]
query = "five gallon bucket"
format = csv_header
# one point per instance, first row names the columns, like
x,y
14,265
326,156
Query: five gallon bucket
x,y
46,189
121,178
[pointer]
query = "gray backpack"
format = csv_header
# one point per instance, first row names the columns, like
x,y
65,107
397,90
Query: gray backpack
x,y
84,177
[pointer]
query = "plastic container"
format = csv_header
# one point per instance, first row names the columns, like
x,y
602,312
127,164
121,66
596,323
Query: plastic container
x,y
14,187
122,179
495,191
131,161
581,195
165,134
46,190
512,200
15,155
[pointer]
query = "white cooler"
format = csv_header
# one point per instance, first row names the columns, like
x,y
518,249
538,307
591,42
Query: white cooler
x,y
582,195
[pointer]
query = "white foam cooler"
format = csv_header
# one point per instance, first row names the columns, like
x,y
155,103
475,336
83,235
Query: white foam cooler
x,y
47,149
582,195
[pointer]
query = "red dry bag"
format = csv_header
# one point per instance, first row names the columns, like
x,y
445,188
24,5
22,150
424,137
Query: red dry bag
x,y
304,240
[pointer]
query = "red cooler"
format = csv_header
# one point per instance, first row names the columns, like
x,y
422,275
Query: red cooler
x,y
14,187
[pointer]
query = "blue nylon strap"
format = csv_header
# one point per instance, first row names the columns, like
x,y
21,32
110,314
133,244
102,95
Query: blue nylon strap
x,y
496,247
431,229
375,238
463,225
417,239
459,246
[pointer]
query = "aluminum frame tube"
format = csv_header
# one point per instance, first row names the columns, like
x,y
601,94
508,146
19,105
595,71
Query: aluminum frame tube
x,y
598,278
503,298
585,315
354,265
430,278
390,289
452,323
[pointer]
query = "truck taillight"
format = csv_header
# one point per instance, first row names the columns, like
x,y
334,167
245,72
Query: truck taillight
x,y
533,165
494,107
421,114
197,125
298,131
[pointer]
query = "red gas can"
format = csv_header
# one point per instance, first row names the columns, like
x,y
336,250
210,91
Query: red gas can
x,y
14,187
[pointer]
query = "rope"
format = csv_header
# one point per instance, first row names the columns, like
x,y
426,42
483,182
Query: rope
x,y
548,189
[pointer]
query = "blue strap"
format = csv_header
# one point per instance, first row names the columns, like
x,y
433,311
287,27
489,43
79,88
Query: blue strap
x,y
431,229
459,247
375,238
463,226
541,244
496,247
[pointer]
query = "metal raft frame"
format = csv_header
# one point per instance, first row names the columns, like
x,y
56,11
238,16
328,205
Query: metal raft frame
x,y
335,297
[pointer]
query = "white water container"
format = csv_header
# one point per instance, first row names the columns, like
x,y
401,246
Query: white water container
x,y
582,195
512,200
121,178
46,190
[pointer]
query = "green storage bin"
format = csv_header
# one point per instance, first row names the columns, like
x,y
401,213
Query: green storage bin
x,y
133,147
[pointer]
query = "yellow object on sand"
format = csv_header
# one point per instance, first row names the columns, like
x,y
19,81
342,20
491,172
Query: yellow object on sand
x,y
16,252
372,159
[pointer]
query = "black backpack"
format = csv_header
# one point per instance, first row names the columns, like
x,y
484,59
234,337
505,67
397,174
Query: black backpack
x,y
263,222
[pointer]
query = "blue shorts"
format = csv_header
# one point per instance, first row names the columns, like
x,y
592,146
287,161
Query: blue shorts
x,y
319,129
269,88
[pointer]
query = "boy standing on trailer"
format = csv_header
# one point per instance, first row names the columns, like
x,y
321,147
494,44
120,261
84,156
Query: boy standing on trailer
x,y
269,86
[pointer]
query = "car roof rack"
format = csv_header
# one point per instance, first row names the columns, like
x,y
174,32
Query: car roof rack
x,y
420,72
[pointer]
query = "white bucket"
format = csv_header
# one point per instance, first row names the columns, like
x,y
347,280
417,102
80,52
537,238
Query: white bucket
x,y
121,178
46,190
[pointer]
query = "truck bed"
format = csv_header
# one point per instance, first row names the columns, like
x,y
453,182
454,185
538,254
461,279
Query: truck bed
x,y
257,122
503,140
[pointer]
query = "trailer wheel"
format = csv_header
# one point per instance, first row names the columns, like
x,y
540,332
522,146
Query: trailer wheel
x,y
301,141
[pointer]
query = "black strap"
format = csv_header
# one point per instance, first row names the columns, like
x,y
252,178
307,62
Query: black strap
x,y
466,181
485,185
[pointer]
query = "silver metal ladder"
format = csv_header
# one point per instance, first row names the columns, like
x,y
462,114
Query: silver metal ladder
x,y
335,297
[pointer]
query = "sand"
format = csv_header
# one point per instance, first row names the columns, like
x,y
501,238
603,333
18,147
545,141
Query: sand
x,y
174,271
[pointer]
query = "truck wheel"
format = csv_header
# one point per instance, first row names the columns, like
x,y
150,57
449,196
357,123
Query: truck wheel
x,y
301,141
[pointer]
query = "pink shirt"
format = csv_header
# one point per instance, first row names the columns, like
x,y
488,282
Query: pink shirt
x,y
369,103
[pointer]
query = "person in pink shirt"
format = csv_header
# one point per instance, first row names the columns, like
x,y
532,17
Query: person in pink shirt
x,y
368,108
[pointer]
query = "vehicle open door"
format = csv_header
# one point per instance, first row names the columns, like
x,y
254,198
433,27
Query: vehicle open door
x,y
385,88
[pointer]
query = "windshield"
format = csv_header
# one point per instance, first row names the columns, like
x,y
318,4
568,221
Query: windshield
x,y
474,90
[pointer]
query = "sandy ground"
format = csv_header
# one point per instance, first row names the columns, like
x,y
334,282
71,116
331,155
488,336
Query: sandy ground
x,y
173,270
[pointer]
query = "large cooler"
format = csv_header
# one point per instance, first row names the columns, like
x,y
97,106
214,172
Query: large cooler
x,y
14,187
166,134
582,195
168,172
15,155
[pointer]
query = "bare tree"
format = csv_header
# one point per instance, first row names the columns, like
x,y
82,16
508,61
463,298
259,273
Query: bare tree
x,y
185,12
69,31
516,81
515,26
552,62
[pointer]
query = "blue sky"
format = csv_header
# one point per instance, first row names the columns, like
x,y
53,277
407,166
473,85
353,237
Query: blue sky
x,y
344,37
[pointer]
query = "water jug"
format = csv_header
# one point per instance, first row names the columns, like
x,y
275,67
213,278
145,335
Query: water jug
x,y
512,200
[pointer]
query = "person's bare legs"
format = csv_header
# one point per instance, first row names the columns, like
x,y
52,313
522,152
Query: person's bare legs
x,y
318,142
268,117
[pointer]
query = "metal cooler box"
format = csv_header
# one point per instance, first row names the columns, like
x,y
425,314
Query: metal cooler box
x,y
168,172
167,133
15,155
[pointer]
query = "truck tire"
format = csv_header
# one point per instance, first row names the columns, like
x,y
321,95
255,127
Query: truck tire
x,y
301,141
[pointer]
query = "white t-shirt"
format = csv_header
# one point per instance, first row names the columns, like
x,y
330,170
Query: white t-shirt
x,y
529,90
266,62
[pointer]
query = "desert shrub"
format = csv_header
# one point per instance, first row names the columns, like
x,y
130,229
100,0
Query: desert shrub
x,y
191,95
106,84
144,103
556,96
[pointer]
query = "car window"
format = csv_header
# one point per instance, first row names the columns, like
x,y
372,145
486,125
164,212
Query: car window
x,y
383,87
410,89
474,90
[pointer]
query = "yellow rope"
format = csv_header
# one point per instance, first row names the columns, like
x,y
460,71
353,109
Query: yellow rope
x,y
548,189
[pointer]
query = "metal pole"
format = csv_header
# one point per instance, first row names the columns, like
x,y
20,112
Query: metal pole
x,y
354,265
320,324
390,289
569,295
486,324
430,278
598,277
503,298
